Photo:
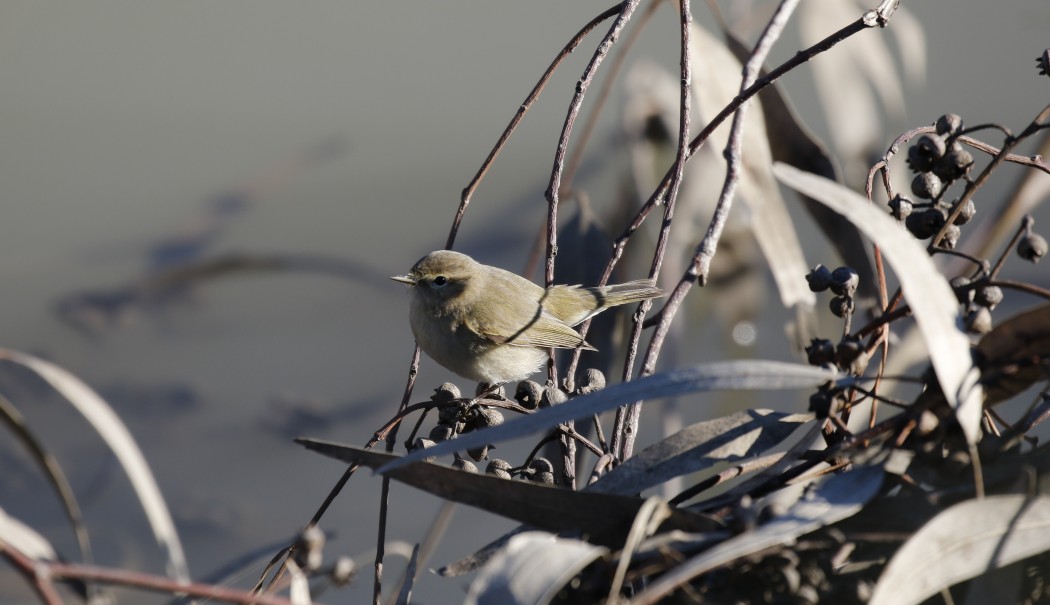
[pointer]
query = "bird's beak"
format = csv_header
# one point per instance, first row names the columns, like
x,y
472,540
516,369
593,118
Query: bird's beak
x,y
404,279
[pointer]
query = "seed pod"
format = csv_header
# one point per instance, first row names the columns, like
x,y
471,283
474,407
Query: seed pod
x,y
593,382
988,296
949,123
479,453
978,320
820,351
951,237
553,396
450,414
900,207
1032,247
955,163
819,278
924,224
498,464
848,350
422,443
969,209
445,393
844,281
540,465
926,185
488,417
461,464
442,432
841,306
958,284
528,394
822,402
546,478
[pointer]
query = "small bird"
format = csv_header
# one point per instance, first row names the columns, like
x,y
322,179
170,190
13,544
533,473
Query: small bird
x,y
492,326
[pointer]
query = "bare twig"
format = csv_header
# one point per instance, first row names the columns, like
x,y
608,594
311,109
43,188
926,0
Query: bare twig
x,y
468,191
42,573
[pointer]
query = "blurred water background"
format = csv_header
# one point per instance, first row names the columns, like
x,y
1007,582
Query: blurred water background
x,y
137,135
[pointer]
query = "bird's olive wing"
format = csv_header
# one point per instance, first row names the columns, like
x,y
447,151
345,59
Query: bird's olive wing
x,y
535,327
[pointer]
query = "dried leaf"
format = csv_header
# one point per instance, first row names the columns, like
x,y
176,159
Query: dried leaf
x,y
699,446
25,539
836,498
732,375
1012,357
963,542
549,508
531,570
109,426
931,299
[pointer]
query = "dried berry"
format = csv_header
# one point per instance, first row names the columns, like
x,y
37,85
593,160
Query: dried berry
x,y
926,223
450,414
546,478
442,432
553,396
841,306
1043,61
821,403
593,382
926,150
949,123
959,286
499,468
931,145
423,444
900,207
951,237
988,296
488,417
954,164
528,394
848,351
445,393
967,213
926,185
540,465
844,281
820,351
479,453
461,464
1032,247
978,320
819,278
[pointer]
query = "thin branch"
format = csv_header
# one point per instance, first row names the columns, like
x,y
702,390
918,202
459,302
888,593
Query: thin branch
x,y
468,191
625,426
43,572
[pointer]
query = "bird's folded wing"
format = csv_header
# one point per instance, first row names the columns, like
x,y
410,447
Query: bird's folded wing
x,y
541,330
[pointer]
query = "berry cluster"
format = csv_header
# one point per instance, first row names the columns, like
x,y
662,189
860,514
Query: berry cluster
x,y
939,159
458,415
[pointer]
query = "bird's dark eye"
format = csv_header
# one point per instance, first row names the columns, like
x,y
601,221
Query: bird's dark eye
x,y
440,280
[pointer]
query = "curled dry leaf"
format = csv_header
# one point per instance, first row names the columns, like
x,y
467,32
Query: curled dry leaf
x,y
1012,357
963,542
531,569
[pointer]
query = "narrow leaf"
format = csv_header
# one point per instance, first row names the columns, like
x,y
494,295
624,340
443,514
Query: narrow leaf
x,y
728,376
931,299
108,425
549,508
1012,356
963,542
837,498
699,446
531,569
